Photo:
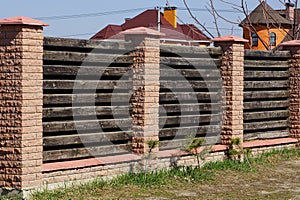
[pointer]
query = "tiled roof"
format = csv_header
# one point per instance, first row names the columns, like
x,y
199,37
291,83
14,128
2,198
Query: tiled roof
x,y
149,19
264,14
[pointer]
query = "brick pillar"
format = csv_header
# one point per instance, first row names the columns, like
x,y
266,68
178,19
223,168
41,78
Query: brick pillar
x,y
232,73
21,103
145,92
294,68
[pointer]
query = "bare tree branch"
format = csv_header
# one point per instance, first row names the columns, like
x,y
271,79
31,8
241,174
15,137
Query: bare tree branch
x,y
196,20
213,13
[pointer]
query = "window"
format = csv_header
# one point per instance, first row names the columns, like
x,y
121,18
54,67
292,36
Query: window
x,y
272,39
254,40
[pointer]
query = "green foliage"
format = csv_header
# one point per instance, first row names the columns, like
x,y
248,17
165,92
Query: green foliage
x,y
152,144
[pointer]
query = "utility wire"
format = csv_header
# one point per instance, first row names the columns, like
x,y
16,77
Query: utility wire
x,y
85,15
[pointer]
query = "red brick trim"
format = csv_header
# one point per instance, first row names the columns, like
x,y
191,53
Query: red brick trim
x,y
273,142
67,165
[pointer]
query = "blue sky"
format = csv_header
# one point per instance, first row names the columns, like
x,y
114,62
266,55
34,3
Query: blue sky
x,y
89,25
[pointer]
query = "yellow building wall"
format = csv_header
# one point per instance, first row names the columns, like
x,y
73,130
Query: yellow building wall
x,y
264,34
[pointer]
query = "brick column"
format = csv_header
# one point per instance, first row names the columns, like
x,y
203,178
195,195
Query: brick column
x,y
232,73
145,92
294,68
21,103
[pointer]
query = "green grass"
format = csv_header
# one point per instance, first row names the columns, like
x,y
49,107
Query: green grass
x,y
166,178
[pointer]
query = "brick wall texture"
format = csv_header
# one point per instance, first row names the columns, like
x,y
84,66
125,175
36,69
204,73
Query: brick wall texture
x,y
295,95
145,91
21,101
232,72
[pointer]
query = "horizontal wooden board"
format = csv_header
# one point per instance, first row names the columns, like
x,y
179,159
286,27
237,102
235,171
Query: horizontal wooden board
x,y
272,64
186,108
186,131
198,63
266,104
86,57
181,144
85,98
61,70
70,125
268,54
266,84
266,74
189,73
182,97
86,84
191,120
266,135
77,153
265,125
85,111
190,85
252,95
55,42
60,112
194,51
266,114
63,140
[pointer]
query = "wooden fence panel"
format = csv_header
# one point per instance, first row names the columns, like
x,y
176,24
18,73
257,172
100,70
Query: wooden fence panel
x,y
190,95
93,125
266,96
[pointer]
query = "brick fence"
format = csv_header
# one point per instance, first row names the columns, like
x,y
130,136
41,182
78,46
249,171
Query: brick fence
x,y
21,107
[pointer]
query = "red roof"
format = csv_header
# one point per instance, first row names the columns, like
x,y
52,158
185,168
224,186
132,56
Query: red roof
x,y
149,19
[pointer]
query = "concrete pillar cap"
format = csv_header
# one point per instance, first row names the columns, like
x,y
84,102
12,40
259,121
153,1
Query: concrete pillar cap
x,y
230,38
22,20
142,31
291,43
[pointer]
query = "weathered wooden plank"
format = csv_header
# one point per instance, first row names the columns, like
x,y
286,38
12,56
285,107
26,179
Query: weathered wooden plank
x,y
165,72
268,54
184,97
186,131
85,111
266,74
60,70
57,112
183,143
266,104
192,120
266,84
194,51
266,135
60,126
124,97
251,95
265,125
86,84
79,43
190,108
86,57
85,98
266,114
65,154
198,63
266,64
63,140
190,84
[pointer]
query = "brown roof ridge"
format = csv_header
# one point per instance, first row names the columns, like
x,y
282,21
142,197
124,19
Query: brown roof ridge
x,y
257,16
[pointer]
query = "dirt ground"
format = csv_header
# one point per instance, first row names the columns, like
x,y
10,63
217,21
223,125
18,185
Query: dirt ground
x,y
278,181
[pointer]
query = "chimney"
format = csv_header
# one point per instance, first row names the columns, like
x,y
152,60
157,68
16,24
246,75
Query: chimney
x,y
170,14
290,11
